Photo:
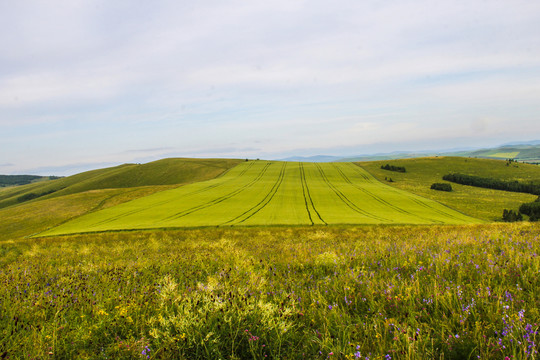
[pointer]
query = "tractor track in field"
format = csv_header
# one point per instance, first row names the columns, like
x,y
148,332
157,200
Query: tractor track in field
x,y
345,200
377,198
261,204
305,190
173,199
416,200
421,203
219,199
210,187
302,180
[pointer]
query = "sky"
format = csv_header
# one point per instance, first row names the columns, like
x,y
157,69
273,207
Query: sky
x,y
89,84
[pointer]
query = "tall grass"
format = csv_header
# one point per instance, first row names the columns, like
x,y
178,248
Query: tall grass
x,y
452,292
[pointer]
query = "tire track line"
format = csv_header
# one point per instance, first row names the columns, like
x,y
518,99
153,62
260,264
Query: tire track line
x,y
114,218
418,201
268,197
302,180
304,184
441,212
217,200
379,199
348,202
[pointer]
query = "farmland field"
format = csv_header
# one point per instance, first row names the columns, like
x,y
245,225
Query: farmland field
x,y
272,193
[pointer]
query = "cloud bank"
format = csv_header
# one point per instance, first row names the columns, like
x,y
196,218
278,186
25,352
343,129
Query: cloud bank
x,y
89,81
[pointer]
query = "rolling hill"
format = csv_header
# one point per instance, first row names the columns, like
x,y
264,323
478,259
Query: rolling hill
x,y
97,189
271,193
238,193
162,172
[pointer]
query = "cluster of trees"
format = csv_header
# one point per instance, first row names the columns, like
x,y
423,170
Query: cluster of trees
x,y
490,183
31,196
532,209
393,168
441,187
511,216
10,180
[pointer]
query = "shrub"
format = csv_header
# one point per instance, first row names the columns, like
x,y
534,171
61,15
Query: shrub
x,y
511,216
441,187
393,168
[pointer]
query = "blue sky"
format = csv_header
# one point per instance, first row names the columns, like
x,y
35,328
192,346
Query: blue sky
x,y
88,84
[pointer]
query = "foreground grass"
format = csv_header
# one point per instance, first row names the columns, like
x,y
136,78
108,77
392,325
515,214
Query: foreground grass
x,y
451,292
477,202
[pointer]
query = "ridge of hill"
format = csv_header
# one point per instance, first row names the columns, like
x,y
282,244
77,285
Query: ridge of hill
x,y
527,152
524,153
172,171
486,204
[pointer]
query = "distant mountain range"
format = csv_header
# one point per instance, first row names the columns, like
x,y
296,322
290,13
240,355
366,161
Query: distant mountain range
x,y
525,151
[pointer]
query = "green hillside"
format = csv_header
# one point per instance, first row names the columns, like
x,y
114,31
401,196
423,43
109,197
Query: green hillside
x,y
481,203
161,172
272,193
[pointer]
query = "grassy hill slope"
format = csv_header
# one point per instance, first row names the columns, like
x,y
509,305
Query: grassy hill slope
x,y
272,193
36,216
477,202
97,189
161,172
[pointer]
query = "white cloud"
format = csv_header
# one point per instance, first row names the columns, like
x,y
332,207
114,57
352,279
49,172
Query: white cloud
x,y
114,76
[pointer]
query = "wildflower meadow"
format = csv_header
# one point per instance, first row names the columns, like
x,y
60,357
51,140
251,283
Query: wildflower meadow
x,y
315,292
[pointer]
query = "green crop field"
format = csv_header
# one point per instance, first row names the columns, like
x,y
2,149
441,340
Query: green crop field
x,y
272,193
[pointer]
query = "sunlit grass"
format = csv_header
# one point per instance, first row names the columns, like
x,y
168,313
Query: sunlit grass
x,y
409,292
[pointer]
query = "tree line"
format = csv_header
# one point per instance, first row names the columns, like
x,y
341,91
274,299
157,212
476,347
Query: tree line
x,y
531,209
496,184
10,180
